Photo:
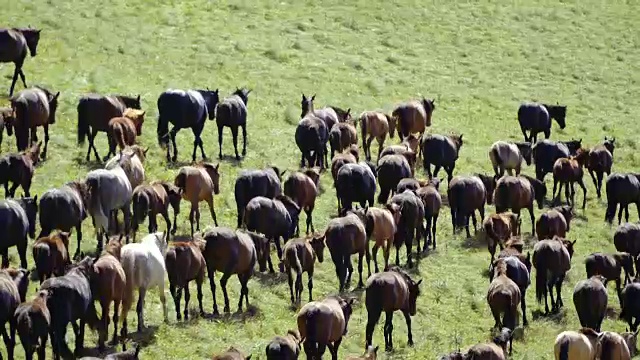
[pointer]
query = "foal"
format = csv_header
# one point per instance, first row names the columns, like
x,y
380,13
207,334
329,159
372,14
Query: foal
x,y
51,255
300,255
185,262
568,171
32,322
153,199
199,183
19,169
123,130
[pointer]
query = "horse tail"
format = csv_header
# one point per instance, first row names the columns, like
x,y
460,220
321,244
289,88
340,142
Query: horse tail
x,y
311,317
141,207
501,198
181,181
42,256
457,205
91,316
564,351
83,122
334,140
20,127
496,156
117,133
363,127
240,190
541,279
612,204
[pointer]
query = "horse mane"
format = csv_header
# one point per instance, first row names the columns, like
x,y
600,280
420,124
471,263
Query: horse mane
x,y
343,114
286,200
588,332
33,153
46,91
500,267
402,272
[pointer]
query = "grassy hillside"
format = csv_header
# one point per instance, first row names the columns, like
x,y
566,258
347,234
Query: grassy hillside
x,y
479,59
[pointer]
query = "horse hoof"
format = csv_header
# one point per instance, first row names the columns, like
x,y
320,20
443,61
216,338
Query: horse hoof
x,y
227,310
410,343
174,159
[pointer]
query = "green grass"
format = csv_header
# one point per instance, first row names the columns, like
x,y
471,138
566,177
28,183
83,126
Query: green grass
x,y
479,58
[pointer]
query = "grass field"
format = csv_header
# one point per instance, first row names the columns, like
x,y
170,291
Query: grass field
x,y
480,59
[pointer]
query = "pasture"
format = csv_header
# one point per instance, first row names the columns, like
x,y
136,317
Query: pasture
x,y
480,60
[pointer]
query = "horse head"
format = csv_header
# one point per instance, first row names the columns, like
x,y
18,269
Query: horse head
x,y
214,174
30,207
161,241
610,144
211,99
307,105
243,93
32,36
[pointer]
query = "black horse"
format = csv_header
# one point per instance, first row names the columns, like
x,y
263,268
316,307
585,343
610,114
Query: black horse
x,y
546,152
184,109
14,44
536,118
232,112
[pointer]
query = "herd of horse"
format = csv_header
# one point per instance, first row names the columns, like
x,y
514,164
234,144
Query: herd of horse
x,y
269,208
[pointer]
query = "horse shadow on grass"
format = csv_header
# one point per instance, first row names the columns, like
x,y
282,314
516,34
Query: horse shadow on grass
x,y
559,317
110,348
251,313
231,159
173,165
88,165
270,279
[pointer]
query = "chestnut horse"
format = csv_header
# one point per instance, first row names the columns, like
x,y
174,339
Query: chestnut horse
x,y
124,130
322,324
32,108
185,262
51,255
568,171
600,161
375,125
413,116
199,183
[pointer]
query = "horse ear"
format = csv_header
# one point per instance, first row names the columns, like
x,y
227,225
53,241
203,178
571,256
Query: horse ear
x,y
304,98
375,349
283,172
56,95
138,98
313,97
636,333
145,151
248,357
35,198
217,166
349,111
461,136
574,242
142,113
419,282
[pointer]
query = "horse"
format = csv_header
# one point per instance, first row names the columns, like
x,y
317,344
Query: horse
x,y
519,192
546,152
391,169
380,226
341,136
153,199
6,117
413,116
355,182
13,290
32,108
124,129
536,118
576,345
411,143
410,225
185,262
65,208
568,171
323,324
275,218
69,299
253,183
346,236
108,285
630,304
300,256
623,189
110,190
329,115
412,184
231,252
631,339
184,109
370,353
503,296
554,222
94,114
466,194
495,350
610,267
611,345
132,164
232,354
33,321
303,188
375,125
51,255
390,291
441,151
17,220
199,183
347,157
284,347
499,228
627,239
311,137
432,201
19,168
600,161
590,299
232,112
14,43
518,269
509,156
552,260
144,268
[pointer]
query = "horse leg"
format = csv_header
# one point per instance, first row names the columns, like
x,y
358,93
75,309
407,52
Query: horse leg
x,y
433,234
116,308
533,219
360,282
407,318
555,187
368,257
187,297
173,133
310,285
79,337
223,284
584,192
436,170
167,219
595,182
234,135
375,256
290,282
299,288
244,280
213,212
16,71
559,302
450,172
142,292
220,130
334,349
7,341
103,333
427,234
388,331
112,147
309,212
192,214
373,316
175,294
599,187
212,284
126,210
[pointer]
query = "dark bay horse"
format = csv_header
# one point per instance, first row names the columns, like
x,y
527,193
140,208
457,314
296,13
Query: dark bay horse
x,y
94,113
329,115
17,220
623,189
600,161
33,107
232,113
6,117
441,151
14,44
546,152
19,168
252,183
536,118
184,109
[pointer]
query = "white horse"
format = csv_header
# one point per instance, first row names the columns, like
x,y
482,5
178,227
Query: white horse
x,y
110,190
509,156
144,267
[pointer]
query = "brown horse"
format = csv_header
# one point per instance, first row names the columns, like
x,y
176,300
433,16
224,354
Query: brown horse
x,y
552,260
32,108
519,192
231,252
375,125
627,239
341,136
432,201
347,157
576,345
32,320
322,324
554,222
346,236
410,143
199,183
124,129
600,161
568,171
380,226
94,114
232,354
467,194
14,44
13,290
590,299
300,256
284,347
390,291
499,228
612,346
108,283
303,188
185,262
610,267
496,350
413,116
391,169
503,296
153,199
19,169
51,255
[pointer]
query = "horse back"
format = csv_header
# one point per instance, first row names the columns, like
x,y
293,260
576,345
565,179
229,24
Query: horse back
x,y
181,108
97,110
143,265
70,296
325,317
551,255
411,116
387,291
13,222
533,116
32,107
232,111
110,278
13,45
375,123
184,262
